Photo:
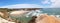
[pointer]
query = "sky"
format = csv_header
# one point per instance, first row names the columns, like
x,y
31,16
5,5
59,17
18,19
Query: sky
x,y
29,3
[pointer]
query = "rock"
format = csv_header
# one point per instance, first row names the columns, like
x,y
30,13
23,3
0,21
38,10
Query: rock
x,y
5,21
44,18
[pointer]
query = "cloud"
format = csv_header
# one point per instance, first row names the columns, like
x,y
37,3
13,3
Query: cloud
x,y
45,2
55,3
23,6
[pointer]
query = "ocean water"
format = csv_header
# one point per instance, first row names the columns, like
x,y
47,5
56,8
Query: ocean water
x,y
55,11
49,11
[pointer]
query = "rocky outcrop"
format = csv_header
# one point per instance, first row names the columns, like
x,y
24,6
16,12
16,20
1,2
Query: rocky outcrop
x,y
44,18
33,19
5,21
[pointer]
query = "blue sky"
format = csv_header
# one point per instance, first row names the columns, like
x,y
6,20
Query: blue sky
x,y
11,2
43,3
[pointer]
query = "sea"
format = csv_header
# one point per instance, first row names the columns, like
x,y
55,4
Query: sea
x,y
27,17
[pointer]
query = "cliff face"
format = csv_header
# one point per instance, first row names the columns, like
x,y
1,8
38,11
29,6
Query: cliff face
x,y
47,19
4,12
5,21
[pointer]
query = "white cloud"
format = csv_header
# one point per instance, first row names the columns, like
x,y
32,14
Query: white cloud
x,y
53,0
45,2
23,6
55,3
